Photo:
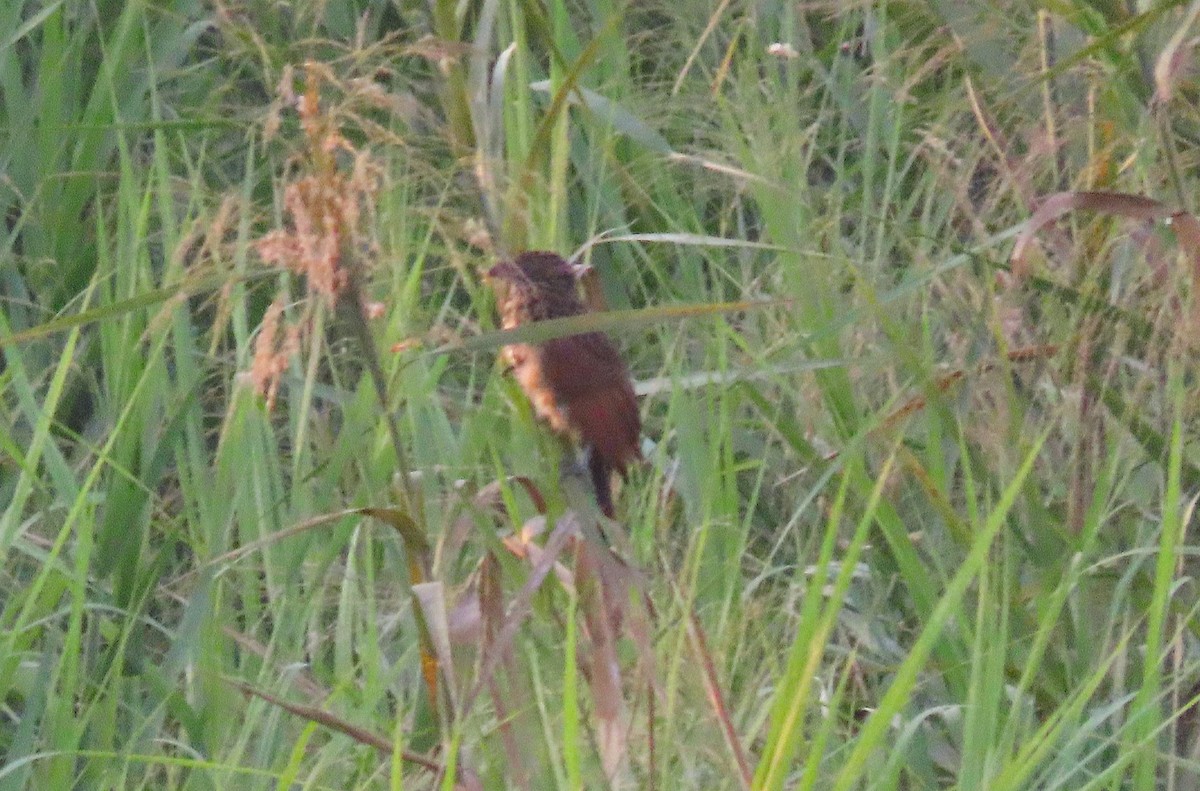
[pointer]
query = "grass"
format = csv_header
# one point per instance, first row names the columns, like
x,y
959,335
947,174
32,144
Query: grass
x,y
910,518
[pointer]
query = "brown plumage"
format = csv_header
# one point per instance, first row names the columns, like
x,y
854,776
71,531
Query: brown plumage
x,y
578,384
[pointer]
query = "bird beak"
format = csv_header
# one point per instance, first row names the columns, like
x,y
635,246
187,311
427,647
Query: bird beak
x,y
505,270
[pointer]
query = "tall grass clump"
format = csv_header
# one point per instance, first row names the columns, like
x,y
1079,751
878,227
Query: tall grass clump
x,y
906,289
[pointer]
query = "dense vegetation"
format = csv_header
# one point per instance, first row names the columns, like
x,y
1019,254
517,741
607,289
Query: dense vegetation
x,y
913,513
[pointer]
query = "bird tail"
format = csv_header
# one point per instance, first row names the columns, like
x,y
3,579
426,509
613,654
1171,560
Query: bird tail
x,y
601,473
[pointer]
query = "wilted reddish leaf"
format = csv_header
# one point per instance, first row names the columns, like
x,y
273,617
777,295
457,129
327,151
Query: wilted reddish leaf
x,y
1186,226
508,689
522,545
361,735
465,620
1187,231
486,499
601,606
717,699
489,495
1117,203
1175,58
520,608
431,597
491,598
520,542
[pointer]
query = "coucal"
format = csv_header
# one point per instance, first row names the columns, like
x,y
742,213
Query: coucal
x,y
578,384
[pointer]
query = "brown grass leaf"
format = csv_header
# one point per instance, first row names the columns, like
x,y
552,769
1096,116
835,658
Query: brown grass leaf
x,y
602,610
1175,58
1116,203
520,608
383,744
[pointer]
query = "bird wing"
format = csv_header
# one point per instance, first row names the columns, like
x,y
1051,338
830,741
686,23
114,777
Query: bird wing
x,y
589,380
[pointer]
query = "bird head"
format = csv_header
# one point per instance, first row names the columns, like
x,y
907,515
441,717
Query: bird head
x,y
536,270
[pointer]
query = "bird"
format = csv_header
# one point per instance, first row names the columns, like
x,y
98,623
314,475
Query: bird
x,y
578,384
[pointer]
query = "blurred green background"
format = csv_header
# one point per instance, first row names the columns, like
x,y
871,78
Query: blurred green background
x,y
907,521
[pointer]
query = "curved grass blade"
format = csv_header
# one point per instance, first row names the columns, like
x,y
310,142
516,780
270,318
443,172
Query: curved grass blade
x,y
540,331
622,120
121,307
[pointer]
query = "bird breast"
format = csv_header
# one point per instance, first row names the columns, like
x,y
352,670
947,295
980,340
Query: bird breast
x,y
525,360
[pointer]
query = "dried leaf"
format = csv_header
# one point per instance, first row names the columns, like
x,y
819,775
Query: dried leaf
x,y
322,717
464,622
1117,203
1175,58
510,694
1187,231
431,597
717,699
489,496
520,608
601,608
